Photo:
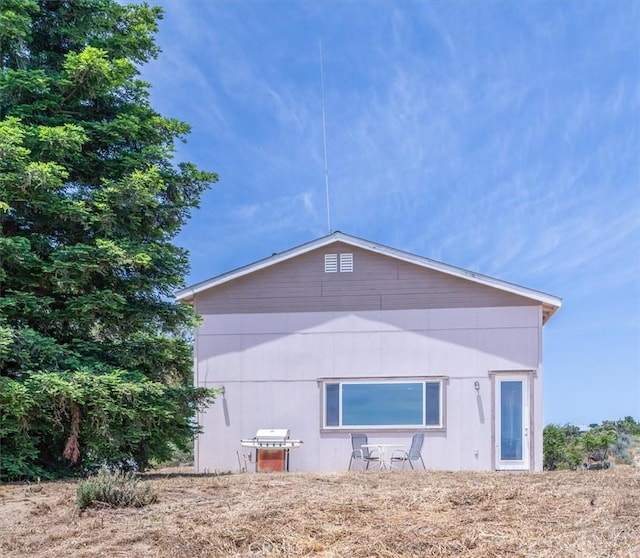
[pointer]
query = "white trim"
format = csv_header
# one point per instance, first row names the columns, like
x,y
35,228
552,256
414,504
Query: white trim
x,y
550,303
523,464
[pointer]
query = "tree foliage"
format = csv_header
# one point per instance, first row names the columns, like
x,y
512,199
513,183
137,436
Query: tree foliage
x,y
95,360
561,447
567,447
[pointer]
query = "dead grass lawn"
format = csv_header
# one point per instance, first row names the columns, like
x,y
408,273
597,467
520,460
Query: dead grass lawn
x,y
363,514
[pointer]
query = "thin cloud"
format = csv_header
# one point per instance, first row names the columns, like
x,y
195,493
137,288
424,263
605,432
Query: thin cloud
x,y
500,137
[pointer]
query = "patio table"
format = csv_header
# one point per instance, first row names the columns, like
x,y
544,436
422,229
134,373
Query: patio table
x,y
382,453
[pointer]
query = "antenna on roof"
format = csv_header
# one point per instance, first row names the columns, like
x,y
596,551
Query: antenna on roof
x,y
324,137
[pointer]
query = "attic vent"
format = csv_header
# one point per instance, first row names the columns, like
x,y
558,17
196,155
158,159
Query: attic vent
x,y
346,263
330,263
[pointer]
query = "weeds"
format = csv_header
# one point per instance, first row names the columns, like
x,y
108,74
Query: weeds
x,y
114,489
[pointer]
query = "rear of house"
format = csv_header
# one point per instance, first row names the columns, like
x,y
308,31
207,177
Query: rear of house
x,y
341,335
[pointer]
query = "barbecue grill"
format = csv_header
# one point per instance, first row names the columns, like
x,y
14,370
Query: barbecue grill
x,y
272,448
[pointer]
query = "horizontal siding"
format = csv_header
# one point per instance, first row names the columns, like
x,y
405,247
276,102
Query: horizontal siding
x,y
288,304
453,299
377,282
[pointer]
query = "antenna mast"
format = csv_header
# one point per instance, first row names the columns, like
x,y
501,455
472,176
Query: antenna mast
x,y
324,137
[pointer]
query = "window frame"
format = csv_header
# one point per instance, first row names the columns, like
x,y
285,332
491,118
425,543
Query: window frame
x,y
424,380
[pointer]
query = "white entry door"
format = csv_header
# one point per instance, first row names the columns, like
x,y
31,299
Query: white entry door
x,y
512,416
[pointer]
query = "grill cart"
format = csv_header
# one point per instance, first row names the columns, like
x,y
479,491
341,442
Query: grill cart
x,y
272,448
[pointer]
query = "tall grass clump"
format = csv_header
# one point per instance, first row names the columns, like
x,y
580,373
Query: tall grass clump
x,y
114,489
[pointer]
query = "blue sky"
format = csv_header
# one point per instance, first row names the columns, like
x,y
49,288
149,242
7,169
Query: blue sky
x,y
502,137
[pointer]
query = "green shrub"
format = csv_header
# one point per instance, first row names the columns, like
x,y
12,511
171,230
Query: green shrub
x,y
598,439
620,448
561,447
553,446
566,447
179,456
114,489
628,425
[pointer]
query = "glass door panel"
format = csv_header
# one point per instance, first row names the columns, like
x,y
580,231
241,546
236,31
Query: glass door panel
x,y
512,422
511,438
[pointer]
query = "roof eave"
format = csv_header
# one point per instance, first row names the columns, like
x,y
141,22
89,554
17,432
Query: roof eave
x,y
187,294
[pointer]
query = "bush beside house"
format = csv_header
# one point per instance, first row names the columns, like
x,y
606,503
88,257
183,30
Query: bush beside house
x,y
570,447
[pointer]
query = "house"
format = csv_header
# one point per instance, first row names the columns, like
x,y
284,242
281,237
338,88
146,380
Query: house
x,y
341,335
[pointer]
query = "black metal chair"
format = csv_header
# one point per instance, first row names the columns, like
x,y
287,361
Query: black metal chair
x,y
360,453
412,454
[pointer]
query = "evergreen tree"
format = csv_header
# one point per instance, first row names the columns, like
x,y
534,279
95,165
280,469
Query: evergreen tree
x,y
95,359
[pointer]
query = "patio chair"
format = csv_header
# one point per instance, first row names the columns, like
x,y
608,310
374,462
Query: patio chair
x,y
412,454
359,453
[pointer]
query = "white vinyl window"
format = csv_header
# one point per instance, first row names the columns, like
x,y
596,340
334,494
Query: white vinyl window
x,y
406,403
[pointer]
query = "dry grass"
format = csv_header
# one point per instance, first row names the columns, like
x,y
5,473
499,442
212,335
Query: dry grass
x,y
373,514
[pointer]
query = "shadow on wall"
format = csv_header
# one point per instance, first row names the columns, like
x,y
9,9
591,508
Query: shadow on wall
x,y
480,408
239,334
225,409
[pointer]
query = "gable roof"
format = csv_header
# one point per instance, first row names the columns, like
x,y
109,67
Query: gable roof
x,y
550,303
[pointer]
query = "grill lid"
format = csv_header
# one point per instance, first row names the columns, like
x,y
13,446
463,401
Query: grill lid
x,y
271,438
272,434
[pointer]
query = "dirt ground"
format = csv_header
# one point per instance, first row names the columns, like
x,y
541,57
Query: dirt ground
x,y
585,514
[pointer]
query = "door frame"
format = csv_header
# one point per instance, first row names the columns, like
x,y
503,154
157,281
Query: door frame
x,y
526,377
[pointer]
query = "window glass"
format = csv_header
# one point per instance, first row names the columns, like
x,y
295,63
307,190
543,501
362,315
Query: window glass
x,y
332,395
511,420
382,404
433,403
